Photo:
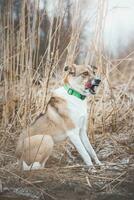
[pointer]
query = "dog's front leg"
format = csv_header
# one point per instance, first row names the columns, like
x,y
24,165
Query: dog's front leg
x,y
88,146
75,139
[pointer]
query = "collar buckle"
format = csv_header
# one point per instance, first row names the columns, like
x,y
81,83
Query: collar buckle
x,y
70,91
73,92
82,97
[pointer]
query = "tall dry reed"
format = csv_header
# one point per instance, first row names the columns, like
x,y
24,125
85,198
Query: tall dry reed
x,y
31,66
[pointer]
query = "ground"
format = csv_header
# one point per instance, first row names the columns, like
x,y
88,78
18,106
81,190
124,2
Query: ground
x,y
64,178
83,185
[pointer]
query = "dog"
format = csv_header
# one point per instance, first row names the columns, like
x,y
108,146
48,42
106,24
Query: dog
x,y
65,117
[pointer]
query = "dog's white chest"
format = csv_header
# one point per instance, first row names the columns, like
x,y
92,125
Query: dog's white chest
x,y
78,111
77,107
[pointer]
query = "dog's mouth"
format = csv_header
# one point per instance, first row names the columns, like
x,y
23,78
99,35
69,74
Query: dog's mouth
x,y
92,90
91,86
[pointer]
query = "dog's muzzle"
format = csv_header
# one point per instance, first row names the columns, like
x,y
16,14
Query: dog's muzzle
x,y
92,85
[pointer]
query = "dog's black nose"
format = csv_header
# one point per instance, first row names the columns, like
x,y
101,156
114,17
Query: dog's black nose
x,y
97,81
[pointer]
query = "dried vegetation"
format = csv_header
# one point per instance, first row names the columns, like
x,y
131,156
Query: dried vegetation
x,y
29,68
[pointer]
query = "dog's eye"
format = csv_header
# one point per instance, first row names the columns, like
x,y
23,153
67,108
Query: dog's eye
x,y
85,73
94,73
72,73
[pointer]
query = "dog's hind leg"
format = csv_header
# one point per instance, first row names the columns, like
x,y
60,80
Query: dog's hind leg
x,y
36,151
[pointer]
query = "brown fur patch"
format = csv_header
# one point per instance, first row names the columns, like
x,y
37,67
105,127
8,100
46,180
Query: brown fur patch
x,y
65,80
40,115
54,122
37,148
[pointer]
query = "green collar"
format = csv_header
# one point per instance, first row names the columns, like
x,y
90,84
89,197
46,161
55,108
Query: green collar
x,y
74,92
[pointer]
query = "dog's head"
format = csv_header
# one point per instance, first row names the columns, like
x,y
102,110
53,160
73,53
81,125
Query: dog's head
x,y
82,78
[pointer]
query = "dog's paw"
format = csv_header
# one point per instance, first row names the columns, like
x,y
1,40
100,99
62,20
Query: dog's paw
x,y
100,166
98,162
92,170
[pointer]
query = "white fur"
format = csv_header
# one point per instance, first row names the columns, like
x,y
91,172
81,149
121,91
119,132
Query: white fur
x,y
34,166
78,136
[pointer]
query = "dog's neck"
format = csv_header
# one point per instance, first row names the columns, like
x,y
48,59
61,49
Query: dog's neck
x,y
74,92
73,85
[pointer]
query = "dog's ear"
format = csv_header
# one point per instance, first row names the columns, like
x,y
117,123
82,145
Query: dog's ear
x,y
66,68
93,68
70,69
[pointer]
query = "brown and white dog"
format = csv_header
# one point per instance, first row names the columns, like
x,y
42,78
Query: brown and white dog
x,y
65,117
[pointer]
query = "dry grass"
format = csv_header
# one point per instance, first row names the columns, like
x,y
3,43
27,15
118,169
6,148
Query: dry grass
x,y
28,72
